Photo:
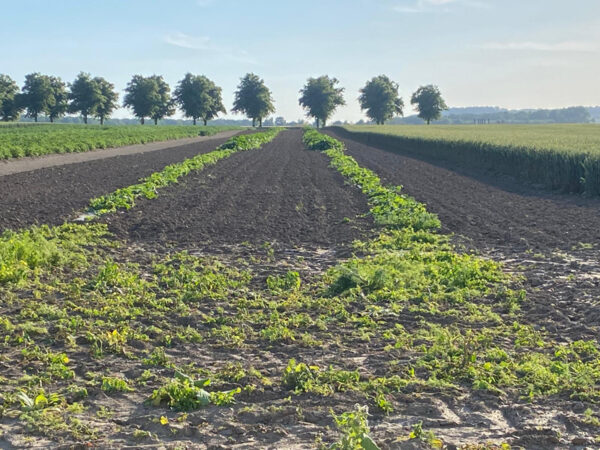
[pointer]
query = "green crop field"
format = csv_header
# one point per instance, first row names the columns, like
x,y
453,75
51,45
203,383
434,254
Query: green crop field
x,y
43,139
563,137
564,157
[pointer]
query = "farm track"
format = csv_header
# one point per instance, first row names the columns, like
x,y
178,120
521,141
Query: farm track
x,y
281,194
49,195
30,163
552,239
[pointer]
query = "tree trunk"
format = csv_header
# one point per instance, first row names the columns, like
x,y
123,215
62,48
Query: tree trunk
x,y
260,122
253,122
155,121
142,120
35,117
428,120
324,122
101,120
194,121
51,119
317,122
204,122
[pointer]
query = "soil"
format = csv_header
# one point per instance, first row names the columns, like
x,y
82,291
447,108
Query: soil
x,y
50,195
280,194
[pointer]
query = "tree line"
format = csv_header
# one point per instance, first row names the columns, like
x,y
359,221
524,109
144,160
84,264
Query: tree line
x,y
199,98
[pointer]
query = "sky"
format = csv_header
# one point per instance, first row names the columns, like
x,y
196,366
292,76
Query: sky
x,y
507,53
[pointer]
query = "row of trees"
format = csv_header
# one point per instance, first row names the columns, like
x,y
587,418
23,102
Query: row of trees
x,y
50,96
379,99
200,98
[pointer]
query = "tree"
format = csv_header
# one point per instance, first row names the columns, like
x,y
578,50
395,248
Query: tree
x,y
140,96
253,98
380,99
36,95
429,101
9,99
149,97
108,99
85,96
198,97
320,97
163,105
58,104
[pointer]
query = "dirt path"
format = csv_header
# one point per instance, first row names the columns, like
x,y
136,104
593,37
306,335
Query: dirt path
x,y
9,167
49,195
279,193
551,239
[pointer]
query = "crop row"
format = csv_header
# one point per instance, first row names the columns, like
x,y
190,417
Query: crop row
x,y
413,268
124,198
561,157
43,139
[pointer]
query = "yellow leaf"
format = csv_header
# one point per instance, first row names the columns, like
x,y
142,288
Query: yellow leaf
x,y
164,420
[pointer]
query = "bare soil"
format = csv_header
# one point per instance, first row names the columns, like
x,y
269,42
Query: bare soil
x,y
281,194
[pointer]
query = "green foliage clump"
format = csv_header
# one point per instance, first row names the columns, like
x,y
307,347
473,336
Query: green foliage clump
x,y
354,427
115,384
288,282
185,394
28,251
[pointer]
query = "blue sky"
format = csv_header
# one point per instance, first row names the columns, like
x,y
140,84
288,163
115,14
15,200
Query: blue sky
x,y
509,53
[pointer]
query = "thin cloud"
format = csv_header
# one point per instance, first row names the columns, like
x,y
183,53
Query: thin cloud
x,y
186,41
435,6
566,46
203,43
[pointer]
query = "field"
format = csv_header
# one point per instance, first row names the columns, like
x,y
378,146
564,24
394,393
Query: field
x,y
565,157
278,289
42,139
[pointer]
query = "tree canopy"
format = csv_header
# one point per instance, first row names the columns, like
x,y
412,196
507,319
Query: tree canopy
x,y
199,98
429,102
36,95
108,99
149,97
9,101
380,99
57,107
320,97
85,96
253,98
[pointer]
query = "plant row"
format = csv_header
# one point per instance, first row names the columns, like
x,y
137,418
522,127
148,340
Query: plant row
x,y
456,312
124,198
44,139
559,157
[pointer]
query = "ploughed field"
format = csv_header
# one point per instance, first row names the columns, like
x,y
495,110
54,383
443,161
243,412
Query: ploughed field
x,y
280,291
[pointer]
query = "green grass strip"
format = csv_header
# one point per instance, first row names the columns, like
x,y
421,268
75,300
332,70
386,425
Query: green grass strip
x,y
124,198
389,207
